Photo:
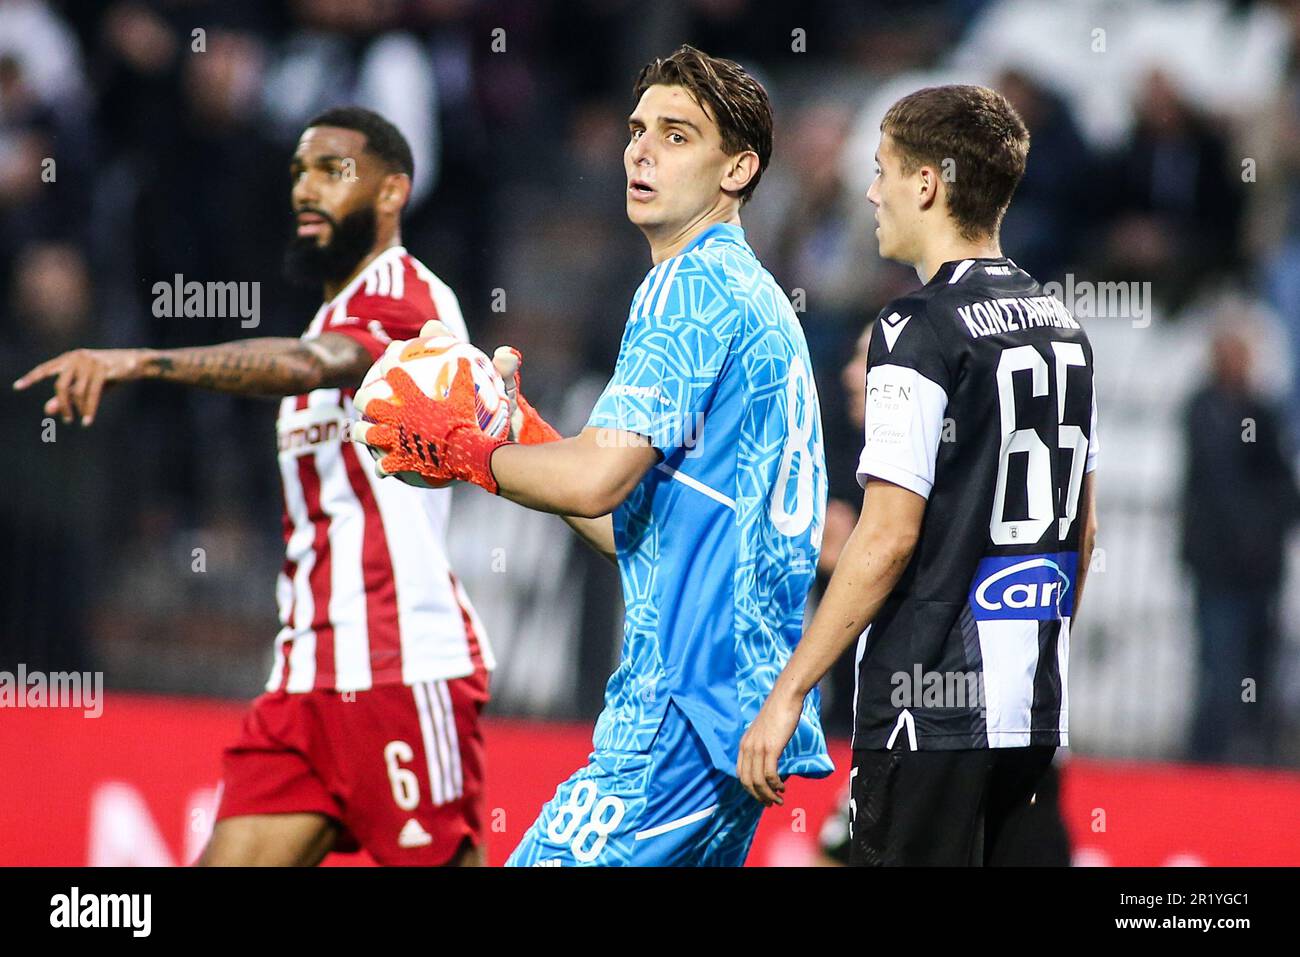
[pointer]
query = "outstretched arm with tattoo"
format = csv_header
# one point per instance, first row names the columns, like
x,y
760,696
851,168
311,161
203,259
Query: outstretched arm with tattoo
x,y
264,366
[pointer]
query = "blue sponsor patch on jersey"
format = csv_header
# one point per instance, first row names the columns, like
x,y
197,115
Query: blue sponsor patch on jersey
x,y
1025,587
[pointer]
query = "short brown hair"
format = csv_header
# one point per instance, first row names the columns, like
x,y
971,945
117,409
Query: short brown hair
x,y
981,137
736,101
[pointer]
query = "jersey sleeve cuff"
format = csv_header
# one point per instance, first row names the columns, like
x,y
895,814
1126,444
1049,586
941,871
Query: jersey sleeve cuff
x,y
874,468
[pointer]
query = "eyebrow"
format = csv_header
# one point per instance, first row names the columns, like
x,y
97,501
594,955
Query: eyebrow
x,y
677,121
665,121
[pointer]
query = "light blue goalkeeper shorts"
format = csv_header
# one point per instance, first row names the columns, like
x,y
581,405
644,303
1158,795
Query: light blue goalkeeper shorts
x,y
668,807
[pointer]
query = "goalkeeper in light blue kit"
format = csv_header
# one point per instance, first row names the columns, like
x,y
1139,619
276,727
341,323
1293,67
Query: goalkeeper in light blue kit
x,y
706,447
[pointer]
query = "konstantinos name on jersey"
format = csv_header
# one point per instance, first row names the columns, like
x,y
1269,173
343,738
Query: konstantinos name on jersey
x,y
989,317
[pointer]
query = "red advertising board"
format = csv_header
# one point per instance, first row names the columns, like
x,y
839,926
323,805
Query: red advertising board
x,y
137,785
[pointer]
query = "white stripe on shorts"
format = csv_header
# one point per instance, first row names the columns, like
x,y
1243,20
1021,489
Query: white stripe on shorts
x,y
430,746
448,753
458,784
674,825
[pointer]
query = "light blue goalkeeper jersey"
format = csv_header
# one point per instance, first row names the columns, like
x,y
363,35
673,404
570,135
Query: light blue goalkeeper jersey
x,y
718,544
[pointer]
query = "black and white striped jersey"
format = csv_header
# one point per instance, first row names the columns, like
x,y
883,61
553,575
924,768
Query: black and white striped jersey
x,y
979,398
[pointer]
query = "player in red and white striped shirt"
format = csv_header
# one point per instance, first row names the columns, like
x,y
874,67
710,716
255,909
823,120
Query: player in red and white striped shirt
x,y
368,733
366,595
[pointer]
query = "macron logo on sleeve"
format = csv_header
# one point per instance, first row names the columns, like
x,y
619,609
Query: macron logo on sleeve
x,y
893,328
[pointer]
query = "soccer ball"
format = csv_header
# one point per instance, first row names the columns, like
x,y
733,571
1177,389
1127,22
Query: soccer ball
x,y
431,361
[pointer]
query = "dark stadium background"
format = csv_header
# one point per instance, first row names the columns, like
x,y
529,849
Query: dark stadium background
x,y
1166,151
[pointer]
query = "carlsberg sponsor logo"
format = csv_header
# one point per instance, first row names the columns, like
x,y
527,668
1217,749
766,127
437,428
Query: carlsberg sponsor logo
x,y
132,911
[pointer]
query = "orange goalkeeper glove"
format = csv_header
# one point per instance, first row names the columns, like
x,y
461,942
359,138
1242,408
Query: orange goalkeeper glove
x,y
439,440
526,423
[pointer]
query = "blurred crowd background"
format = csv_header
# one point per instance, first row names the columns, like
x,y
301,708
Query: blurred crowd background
x,y
1165,155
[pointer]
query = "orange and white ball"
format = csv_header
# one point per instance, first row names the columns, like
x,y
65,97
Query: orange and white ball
x,y
431,361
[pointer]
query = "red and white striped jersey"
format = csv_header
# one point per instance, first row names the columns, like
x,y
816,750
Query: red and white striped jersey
x,y
367,596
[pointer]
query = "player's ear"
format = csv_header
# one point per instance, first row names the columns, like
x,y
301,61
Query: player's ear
x,y
740,169
394,192
927,190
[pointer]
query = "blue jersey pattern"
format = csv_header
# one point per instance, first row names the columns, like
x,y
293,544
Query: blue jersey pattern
x,y
718,544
